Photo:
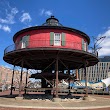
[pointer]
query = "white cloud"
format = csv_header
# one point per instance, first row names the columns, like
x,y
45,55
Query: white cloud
x,y
0,26
48,13
45,12
105,44
5,28
25,17
14,11
10,15
42,12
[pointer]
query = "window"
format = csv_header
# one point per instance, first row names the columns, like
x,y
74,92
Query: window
x,y
84,45
25,41
23,45
57,39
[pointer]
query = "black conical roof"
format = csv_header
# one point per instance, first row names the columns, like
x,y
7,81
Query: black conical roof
x,y
52,21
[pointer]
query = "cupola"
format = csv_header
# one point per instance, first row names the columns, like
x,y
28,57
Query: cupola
x,y
52,21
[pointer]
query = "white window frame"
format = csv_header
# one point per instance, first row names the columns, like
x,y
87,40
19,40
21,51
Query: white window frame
x,y
23,45
85,46
57,39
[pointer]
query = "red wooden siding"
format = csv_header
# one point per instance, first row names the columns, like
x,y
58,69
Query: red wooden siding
x,y
41,38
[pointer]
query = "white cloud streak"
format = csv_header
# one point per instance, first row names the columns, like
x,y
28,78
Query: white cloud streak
x,y
48,13
25,18
14,11
42,12
105,44
5,28
0,26
8,15
9,19
45,12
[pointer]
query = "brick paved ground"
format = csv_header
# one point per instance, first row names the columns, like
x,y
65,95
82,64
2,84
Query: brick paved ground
x,y
100,101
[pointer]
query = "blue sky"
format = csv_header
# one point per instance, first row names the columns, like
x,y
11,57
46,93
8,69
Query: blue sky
x,y
89,16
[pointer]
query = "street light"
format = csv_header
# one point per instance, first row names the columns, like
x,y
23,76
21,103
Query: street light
x,y
95,47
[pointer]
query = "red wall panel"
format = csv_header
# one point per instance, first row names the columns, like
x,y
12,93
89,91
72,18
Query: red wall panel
x,y
41,38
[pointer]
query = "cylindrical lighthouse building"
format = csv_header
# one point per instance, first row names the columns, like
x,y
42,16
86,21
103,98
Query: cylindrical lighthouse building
x,y
50,46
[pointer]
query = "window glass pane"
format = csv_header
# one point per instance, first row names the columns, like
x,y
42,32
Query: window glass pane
x,y
57,39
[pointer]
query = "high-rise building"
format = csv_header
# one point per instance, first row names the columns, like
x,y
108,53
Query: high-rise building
x,y
97,72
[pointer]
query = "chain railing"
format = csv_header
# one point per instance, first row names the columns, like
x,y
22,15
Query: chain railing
x,y
46,43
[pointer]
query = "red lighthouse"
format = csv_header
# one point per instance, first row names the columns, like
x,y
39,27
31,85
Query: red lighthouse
x,y
49,47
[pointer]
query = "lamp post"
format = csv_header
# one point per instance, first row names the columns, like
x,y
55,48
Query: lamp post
x,y
95,47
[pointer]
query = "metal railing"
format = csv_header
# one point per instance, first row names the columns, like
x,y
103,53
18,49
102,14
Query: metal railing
x,y
45,43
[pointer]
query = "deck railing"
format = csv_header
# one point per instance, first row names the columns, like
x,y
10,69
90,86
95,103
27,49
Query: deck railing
x,y
46,43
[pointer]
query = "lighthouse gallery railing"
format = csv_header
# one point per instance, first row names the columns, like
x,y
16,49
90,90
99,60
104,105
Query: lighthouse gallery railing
x,y
46,43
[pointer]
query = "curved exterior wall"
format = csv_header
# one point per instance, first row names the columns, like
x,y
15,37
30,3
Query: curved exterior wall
x,y
46,38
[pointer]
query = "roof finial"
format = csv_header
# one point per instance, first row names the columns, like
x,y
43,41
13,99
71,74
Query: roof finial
x,y
52,16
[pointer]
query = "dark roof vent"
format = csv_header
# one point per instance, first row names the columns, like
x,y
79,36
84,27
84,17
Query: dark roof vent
x,y
52,21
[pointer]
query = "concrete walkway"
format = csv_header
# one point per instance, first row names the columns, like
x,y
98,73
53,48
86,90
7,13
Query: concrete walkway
x,y
41,104
94,102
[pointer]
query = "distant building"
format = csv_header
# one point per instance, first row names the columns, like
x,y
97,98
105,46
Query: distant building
x,y
6,76
97,72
